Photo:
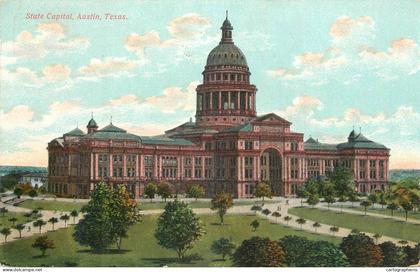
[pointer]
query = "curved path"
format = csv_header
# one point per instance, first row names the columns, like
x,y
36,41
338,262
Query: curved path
x,y
245,209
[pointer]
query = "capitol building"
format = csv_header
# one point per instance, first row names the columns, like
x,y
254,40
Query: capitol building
x,y
227,148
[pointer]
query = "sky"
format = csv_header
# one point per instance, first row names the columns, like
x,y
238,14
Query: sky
x,y
326,66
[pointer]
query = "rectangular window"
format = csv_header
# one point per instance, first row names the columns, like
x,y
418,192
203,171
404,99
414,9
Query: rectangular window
x,y
248,145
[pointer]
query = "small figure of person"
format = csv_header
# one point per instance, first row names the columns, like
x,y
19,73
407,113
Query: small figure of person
x,y
29,228
287,202
278,208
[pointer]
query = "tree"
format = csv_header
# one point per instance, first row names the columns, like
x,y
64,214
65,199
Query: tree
x,y
373,198
53,220
324,254
295,248
94,230
406,206
196,191
376,236
312,200
258,252
361,250
178,228
381,198
19,228
352,197
108,216
256,208
392,207
301,222
74,214
301,252
39,223
287,219
5,232
3,211
43,243
394,256
412,255
276,215
365,204
329,199
266,212
65,218
255,224
123,213
334,229
150,191
316,225
342,181
13,220
18,192
221,203
164,190
223,247
262,190
33,193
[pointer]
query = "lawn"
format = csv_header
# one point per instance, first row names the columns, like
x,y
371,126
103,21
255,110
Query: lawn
x,y
52,205
384,211
5,223
146,205
141,249
388,227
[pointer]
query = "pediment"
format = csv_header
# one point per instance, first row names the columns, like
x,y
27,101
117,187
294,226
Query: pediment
x,y
272,118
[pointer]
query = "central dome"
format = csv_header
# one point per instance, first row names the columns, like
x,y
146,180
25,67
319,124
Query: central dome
x,y
226,54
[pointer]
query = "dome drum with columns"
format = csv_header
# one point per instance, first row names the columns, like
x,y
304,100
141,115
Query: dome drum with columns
x,y
226,97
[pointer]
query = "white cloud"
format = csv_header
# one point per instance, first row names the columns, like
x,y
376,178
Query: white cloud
x,y
19,116
187,33
49,38
109,66
302,106
174,99
56,72
350,49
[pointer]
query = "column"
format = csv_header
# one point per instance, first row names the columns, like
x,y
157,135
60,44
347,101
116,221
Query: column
x,y
181,162
91,165
246,101
254,167
299,168
141,162
124,165
137,166
96,165
258,163
239,102
238,167
203,159
367,169
229,100
377,169
111,170
193,166
211,101
220,101
243,168
155,166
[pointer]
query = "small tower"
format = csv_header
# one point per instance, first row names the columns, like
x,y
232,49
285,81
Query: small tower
x,y
92,126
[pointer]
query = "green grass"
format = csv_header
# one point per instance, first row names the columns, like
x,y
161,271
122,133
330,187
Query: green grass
x,y
146,205
384,211
5,223
141,248
52,205
388,227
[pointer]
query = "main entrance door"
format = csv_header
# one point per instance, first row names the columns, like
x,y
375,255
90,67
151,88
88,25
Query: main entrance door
x,y
270,165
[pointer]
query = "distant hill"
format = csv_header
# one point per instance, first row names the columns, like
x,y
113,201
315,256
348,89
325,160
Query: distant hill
x,y
397,174
7,169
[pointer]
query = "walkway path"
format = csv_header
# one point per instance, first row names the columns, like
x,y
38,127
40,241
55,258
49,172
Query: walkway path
x,y
245,209
324,229
347,210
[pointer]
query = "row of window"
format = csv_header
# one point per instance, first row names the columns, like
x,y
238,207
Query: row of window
x,y
226,76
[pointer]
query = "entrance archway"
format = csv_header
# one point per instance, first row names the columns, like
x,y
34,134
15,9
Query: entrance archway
x,y
271,169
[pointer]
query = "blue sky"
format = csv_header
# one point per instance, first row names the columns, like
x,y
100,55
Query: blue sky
x,y
324,65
